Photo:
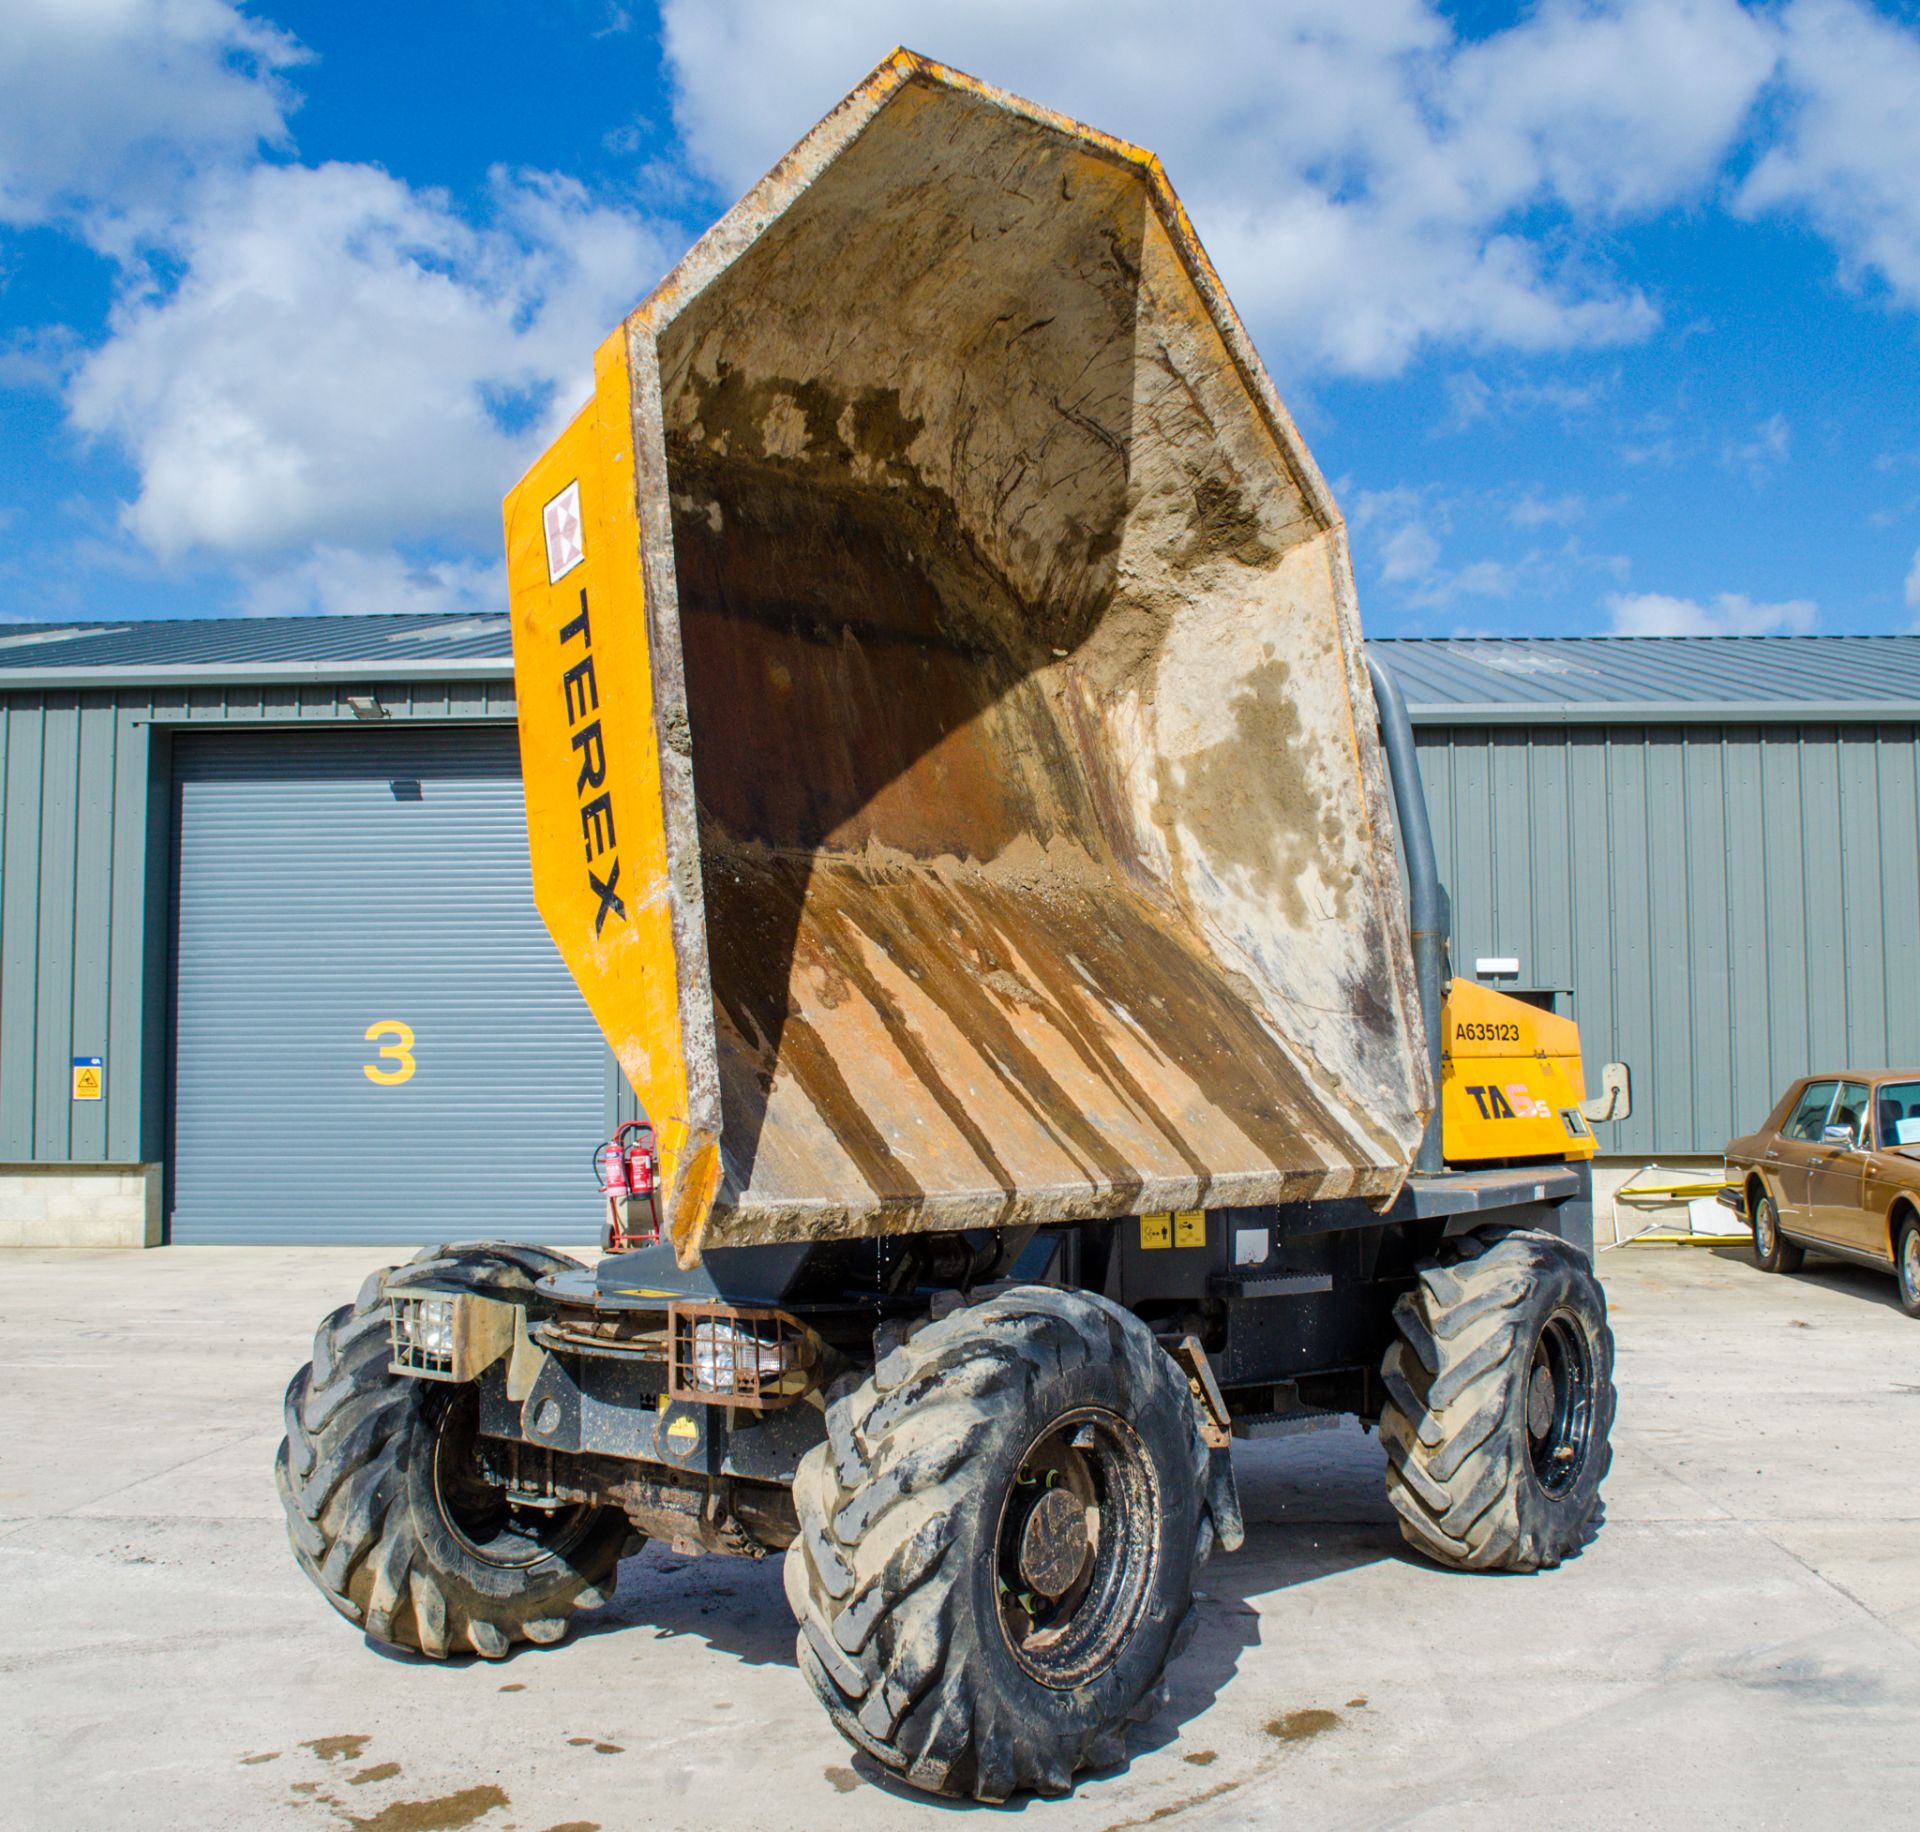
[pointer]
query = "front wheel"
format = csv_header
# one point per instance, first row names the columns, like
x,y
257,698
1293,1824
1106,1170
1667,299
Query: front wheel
x,y
1906,1266
1500,1404
388,1510
997,1544
1772,1251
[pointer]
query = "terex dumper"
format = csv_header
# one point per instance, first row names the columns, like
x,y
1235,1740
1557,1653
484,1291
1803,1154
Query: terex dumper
x,y
955,782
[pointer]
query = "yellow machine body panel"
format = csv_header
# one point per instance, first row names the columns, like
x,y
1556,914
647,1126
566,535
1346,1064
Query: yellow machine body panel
x,y
1511,1083
591,760
938,623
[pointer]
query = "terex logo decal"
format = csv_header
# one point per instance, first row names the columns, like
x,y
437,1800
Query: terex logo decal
x,y
582,693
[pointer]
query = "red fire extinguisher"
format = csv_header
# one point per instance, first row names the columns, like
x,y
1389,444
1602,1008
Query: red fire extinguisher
x,y
629,1175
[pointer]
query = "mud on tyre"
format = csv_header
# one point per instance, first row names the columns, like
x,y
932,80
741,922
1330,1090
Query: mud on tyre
x,y
997,1544
1500,1400
386,1512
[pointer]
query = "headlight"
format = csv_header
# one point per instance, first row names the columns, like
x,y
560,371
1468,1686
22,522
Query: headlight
x,y
423,1335
736,1356
731,1358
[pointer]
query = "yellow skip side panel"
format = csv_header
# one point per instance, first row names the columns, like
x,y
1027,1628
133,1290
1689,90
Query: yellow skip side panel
x,y
1508,1071
590,760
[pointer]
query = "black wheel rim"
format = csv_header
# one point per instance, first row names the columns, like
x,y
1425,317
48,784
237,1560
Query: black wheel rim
x,y
1559,1404
478,1513
1077,1547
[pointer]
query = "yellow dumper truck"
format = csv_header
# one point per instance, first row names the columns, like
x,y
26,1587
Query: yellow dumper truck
x,y
955,781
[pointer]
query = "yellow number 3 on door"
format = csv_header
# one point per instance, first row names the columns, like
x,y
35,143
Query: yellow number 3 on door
x,y
399,1052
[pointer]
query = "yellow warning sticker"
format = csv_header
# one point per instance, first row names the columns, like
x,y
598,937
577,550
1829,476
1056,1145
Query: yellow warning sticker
x,y
89,1078
682,1434
1190,1228
1156,1230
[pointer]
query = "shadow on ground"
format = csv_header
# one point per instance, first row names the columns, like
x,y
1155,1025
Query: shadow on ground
x,y
1862,1282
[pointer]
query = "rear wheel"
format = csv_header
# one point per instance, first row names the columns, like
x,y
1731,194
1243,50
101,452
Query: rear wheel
x,y
1772,1251
1500,1404
997,1544
388,1510
1906,1265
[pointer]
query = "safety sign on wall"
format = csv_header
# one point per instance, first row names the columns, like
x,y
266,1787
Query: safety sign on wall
x,y
89,1078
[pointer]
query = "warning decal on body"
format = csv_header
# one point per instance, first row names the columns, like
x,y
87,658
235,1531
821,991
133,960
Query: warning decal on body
x,y
566,541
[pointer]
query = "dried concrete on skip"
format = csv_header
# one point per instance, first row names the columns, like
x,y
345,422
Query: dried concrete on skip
x,y
1740,1646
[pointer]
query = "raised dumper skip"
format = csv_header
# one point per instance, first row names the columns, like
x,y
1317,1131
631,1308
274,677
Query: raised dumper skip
x,y
942,649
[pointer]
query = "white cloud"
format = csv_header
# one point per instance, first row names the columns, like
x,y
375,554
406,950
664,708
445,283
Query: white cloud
x,y
1368,182
1471,398
345,360
39,359
106,104
1849,150
335,580
1728,614
1770,446
1536,511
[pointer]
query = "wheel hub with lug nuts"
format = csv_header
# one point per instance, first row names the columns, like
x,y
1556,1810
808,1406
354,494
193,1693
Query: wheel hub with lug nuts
x,y
1054,1543
1540,1398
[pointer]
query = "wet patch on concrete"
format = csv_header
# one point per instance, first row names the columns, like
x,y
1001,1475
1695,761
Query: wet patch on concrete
x,y
1173,1809
334,1749
844,1780
381,1771
445,1813
1302,1726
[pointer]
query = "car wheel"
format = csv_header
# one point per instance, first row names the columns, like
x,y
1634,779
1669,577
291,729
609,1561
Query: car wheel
x,y
1772,1251
1906,1266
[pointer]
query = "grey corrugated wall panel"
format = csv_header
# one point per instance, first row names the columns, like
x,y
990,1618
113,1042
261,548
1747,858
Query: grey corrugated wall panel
x,y
333,880
53,979
1741,904
84,863
20,931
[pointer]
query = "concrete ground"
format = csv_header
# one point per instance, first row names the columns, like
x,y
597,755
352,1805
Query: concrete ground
x,y
1741,1646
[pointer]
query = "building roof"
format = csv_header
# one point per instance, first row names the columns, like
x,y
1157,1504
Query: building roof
x,y
253,648
1455,681
1585,679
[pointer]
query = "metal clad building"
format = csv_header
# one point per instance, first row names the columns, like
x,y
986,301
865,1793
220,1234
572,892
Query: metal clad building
x,y
231,849
1713,843
273,877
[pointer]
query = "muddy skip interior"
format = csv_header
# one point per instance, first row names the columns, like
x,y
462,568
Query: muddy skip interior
x,y
986,565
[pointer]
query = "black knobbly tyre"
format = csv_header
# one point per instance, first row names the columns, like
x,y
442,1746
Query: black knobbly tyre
x,y
997,1544
1500,1402
386,1509
1772,1251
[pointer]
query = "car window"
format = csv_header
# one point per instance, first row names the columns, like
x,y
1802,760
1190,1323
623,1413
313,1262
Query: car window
x,y
1850,1110
1809,1113
1897,1109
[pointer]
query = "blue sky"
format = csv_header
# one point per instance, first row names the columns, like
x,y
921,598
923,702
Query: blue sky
x,y
1598,316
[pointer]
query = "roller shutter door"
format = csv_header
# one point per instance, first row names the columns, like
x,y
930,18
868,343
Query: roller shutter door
x,y
332,884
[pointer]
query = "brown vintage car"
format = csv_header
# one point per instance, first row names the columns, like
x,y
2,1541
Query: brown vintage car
x,y
1836,1168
